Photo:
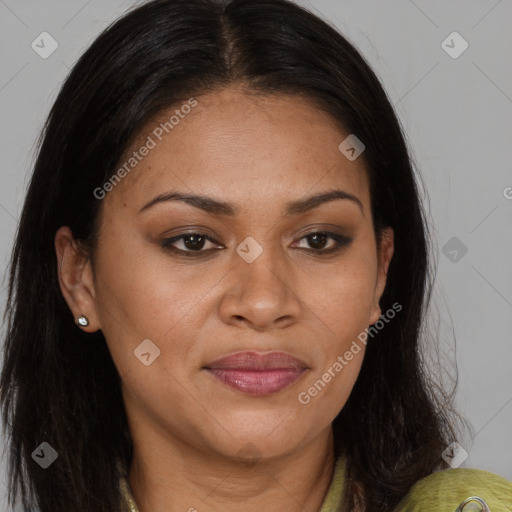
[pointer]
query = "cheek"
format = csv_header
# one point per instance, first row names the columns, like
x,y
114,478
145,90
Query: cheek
x,y
149,297
136,299
341,300
326,391
341,295
338,363
140,286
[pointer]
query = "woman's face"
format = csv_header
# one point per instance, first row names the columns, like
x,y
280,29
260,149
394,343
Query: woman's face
x,y
261,284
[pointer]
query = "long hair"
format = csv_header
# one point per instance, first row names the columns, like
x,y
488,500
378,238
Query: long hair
x,y
59,385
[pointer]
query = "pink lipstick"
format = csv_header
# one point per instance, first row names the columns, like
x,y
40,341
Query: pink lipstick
x,y
256,373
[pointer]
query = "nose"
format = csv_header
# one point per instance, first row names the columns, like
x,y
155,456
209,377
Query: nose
x,y
262,294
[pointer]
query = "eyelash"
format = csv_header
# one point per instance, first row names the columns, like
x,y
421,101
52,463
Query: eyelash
x,y
341,242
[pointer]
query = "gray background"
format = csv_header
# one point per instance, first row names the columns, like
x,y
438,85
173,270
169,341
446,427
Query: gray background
x,y
457,116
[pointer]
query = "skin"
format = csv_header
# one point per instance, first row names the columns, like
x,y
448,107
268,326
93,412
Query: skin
x,y
191,432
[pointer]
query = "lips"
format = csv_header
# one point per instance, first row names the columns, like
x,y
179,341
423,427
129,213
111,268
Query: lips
x,y
256,373
258,361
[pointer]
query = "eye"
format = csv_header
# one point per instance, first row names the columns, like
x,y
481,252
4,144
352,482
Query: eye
x,y
318,239
191,243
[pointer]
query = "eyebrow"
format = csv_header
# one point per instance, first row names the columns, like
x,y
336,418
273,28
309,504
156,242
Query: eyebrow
x,y
214,206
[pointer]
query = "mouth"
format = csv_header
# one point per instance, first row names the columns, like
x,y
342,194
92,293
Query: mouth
x,y
257,374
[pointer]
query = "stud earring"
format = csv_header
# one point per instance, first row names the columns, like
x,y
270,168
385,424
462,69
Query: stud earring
x,y
83,321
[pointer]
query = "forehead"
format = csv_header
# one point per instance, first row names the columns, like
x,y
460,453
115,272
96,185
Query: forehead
x,y
231,143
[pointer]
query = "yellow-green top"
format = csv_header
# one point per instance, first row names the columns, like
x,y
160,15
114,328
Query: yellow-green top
x,y
443,491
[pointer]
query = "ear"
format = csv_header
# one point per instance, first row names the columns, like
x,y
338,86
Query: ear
x,y
385,250
76,278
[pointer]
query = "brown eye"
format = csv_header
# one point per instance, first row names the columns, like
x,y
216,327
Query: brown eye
x,y
191,243
317,240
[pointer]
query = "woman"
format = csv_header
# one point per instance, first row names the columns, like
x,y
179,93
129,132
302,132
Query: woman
x,y
219,281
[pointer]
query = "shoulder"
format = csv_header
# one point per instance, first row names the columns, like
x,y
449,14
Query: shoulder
x,y
446,490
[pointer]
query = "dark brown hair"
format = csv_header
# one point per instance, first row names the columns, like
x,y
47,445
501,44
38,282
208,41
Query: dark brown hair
x,y
60,385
